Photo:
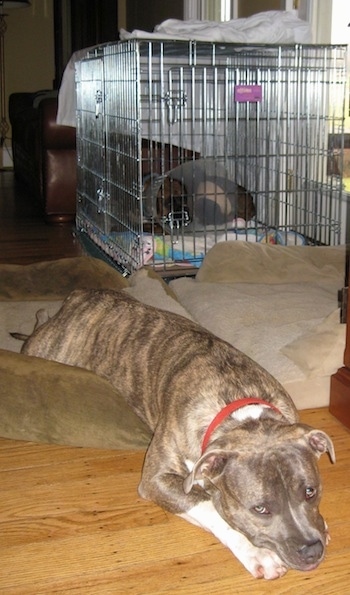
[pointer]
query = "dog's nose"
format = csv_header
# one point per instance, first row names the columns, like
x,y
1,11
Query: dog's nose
x,y
311,552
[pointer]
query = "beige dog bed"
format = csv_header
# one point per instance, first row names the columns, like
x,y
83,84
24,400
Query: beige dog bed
x,y
237,294
277,304
45,401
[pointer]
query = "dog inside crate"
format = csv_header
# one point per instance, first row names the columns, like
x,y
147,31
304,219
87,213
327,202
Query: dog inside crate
x,y
195,204
197,194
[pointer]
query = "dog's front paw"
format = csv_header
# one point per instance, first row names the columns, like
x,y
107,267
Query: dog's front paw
x,y
326,532
263,563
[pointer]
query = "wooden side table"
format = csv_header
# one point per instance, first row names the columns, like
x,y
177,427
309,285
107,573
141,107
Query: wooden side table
x,y
339,405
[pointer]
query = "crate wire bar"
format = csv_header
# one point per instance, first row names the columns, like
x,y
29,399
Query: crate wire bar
x,y
185,144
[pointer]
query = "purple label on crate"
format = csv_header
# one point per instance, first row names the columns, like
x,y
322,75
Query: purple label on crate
x,y
248,93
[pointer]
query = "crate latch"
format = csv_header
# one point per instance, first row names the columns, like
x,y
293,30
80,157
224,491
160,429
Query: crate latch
x,y
98,103
175,221
174,101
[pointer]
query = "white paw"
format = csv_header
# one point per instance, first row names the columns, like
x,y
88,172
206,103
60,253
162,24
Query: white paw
x,y
328,537
260,562
263,563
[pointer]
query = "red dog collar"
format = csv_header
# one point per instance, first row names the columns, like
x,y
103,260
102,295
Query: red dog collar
x,y
226,411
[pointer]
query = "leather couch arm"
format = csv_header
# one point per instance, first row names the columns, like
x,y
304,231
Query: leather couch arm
x,y
54,136
44,154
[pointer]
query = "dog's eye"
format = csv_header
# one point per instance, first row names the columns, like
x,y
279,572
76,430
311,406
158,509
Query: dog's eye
x,y
310,493
261,509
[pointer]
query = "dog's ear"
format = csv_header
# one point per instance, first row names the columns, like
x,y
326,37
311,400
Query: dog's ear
x,y
209,466
320,443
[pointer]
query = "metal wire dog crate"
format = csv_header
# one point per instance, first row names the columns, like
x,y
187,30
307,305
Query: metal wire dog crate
x,y
184,144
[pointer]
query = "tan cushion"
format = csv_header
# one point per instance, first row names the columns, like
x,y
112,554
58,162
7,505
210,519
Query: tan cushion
x,y
44,401
246,262
321,351
54,280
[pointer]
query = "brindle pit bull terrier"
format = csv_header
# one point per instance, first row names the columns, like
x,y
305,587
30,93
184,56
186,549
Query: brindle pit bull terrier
x,y
227,453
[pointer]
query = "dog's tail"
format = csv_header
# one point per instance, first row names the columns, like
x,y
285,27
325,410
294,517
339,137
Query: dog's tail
x,y
19,336
42,316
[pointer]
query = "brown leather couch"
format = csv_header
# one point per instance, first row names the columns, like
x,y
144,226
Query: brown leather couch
x,y
44,154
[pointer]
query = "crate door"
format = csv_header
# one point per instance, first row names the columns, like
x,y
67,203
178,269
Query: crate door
x,y
92,196
123,155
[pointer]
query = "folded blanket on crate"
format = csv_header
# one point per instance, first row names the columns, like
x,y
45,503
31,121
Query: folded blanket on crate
x,y
273,26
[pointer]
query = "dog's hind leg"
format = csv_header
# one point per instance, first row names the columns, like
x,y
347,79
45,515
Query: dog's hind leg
x,y
42,316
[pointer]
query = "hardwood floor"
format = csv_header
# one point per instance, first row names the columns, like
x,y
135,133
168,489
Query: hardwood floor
x,y
71,520
24,236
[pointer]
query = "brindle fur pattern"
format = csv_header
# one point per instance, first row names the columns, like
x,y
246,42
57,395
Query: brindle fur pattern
x,y
141,349
177,376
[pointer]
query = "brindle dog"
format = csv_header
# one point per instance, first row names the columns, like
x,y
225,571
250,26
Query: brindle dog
x,y
227,452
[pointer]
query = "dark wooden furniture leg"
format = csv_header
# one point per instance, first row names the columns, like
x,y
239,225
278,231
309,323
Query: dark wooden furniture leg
x,y
339,405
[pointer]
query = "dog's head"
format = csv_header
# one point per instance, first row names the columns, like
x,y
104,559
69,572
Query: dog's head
x,y
269,489
171,199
